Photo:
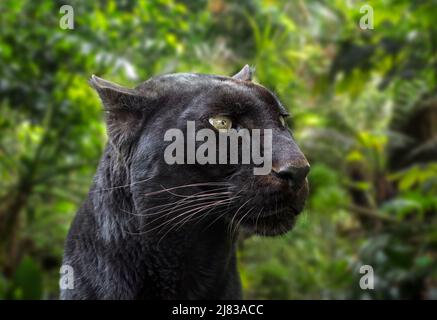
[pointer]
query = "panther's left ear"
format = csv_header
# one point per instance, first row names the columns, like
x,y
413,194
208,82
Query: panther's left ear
x,y
124,109
244,74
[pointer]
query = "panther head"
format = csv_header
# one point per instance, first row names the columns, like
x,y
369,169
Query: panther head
x,y
169,196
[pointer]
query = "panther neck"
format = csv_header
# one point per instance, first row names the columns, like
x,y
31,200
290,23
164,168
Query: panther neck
x,y
195,263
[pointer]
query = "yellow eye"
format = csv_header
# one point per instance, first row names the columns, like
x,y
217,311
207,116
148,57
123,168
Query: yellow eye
x,y
221,123
282,120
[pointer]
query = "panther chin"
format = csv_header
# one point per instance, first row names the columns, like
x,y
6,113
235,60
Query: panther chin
x,y
273,223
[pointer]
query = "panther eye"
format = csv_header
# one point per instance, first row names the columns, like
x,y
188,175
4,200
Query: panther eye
x,y
282,121
221,123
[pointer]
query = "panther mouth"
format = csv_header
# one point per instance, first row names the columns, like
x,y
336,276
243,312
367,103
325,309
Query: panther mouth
x,y
272,223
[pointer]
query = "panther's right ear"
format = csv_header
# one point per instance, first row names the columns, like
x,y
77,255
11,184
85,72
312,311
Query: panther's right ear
x,y
124,109
245,74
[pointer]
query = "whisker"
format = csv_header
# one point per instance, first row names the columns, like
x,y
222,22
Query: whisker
x,y
232,230
169,221
175,204
257,218
123,186
223,214
219,203
175,209
186,219
242,218
188,196
188,185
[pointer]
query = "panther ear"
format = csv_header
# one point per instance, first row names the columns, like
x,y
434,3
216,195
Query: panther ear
x,y
244,74
124,109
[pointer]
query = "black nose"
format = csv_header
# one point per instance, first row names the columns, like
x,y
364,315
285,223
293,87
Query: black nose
x,y
295,175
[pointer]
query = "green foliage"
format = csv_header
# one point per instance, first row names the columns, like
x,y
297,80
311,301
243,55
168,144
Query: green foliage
x,y
362,103
27,280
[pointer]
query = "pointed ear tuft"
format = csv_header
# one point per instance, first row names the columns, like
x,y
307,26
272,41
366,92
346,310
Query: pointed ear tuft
x,y
124,109
244,74
113,95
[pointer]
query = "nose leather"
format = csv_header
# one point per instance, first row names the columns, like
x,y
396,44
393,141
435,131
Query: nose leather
x,y
294,174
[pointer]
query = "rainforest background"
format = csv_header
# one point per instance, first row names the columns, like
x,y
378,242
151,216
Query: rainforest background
x,y
364,110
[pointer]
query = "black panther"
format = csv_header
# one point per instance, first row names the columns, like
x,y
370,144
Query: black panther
x,y
150,230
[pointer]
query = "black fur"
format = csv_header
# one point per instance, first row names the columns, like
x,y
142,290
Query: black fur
x,y
121,247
